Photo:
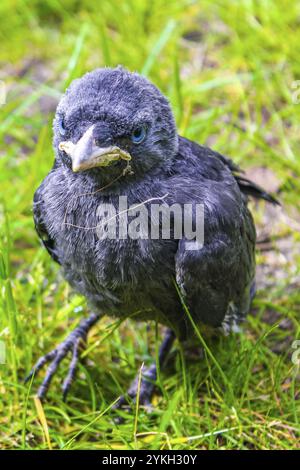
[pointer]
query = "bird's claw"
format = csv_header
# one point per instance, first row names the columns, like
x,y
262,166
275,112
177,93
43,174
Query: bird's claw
x,y
71,344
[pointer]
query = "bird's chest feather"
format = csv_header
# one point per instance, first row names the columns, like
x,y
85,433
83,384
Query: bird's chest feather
x,y
102,256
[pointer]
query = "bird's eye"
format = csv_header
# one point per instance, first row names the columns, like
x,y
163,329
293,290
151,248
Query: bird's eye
x,y
61,126
138,134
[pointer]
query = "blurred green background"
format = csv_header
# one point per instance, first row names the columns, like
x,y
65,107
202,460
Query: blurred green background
x,y
230,70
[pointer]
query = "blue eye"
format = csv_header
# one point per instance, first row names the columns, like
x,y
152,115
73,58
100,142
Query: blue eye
x,y
138,134
61,126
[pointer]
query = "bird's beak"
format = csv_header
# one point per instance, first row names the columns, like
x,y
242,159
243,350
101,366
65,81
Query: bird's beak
x,y
86,154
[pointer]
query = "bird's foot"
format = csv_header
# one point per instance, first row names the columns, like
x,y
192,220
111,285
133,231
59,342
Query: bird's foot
x,y
142,387
73,343
140,390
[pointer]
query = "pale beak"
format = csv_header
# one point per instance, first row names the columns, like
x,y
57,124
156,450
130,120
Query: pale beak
x,y
86,154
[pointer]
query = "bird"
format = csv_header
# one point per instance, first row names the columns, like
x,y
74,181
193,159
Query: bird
x,y
115,136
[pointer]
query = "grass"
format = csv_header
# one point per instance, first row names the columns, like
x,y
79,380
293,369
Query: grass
x,y
229,69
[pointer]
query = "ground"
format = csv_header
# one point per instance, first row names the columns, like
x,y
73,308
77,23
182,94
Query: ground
x,y
230,70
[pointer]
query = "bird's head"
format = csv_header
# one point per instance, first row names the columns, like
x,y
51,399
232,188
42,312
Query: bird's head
x,y
111,118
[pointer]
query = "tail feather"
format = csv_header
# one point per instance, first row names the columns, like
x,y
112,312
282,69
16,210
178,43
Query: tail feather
x,y
247,186
252,189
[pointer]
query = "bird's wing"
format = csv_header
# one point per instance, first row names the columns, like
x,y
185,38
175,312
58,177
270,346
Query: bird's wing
x,y
40,224
215,280
247,187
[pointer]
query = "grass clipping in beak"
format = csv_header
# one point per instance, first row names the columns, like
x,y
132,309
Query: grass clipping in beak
x,y
86,157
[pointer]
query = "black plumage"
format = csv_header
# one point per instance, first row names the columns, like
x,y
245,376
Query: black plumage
x,y
123,112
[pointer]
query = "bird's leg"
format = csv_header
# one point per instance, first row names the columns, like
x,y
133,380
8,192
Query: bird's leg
x,y
149,376
71,344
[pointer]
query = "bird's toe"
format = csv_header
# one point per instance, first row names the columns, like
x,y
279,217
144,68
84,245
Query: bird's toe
x,y
40,363
72,369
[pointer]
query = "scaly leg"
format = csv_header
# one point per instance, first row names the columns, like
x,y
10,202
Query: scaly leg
x,y
149,376
70,344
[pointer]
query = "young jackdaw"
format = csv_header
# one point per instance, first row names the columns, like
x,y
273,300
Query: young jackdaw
x,y
115,135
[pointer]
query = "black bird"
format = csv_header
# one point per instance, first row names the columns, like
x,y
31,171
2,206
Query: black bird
x,y
115,135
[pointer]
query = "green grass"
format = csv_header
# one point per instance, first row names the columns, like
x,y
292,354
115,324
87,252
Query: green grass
x,y
231,88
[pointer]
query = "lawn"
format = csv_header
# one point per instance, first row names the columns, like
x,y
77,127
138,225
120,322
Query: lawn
x,y
230,71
